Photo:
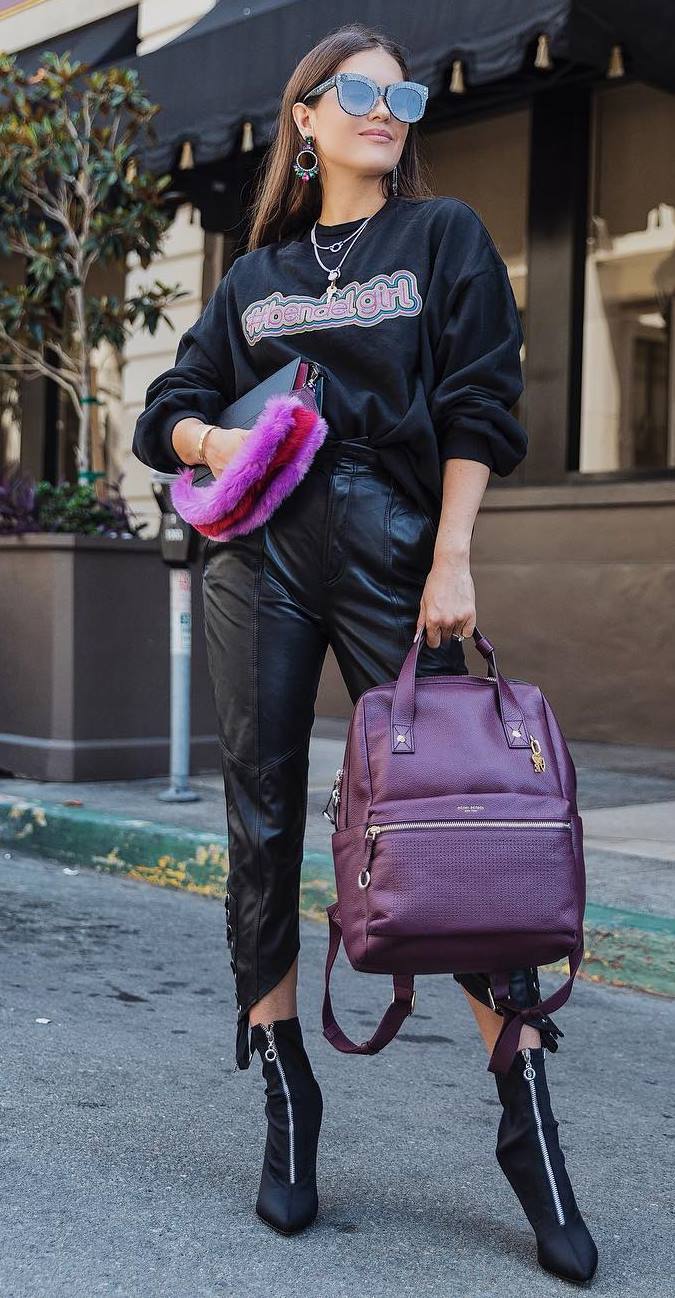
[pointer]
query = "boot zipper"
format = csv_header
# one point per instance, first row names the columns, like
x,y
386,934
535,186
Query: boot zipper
x,y
272,1054
529,1075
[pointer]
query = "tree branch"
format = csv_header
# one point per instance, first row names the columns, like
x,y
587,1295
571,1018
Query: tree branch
x,y
34,359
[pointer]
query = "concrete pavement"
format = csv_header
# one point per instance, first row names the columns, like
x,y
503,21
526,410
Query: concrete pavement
x,y
132,1150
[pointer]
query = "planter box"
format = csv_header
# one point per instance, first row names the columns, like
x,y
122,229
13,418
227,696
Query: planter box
x,y
85,667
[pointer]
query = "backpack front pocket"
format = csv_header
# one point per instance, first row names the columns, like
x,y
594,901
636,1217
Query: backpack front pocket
x,y
435,877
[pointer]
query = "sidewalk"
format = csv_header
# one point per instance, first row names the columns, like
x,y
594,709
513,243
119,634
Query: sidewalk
x,y
132,1149
626,799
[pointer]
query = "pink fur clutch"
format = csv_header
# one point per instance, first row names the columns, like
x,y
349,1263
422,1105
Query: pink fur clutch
x,y
270,462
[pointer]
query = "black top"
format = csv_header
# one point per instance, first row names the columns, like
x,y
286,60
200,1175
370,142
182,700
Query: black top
x,y
421,343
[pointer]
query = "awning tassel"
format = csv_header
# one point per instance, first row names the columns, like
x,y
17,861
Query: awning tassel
x,y
457,86
186,157
543,56
615,66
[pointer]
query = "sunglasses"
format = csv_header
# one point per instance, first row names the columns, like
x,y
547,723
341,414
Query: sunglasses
x,y
357,95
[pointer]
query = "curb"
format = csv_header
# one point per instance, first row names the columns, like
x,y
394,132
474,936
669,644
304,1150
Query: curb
x,y
141,849
629,949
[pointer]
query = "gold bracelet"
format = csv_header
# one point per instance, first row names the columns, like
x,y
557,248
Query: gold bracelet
x,y
202,439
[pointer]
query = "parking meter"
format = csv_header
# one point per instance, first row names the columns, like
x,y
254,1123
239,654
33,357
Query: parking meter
x,y
178,540
179,545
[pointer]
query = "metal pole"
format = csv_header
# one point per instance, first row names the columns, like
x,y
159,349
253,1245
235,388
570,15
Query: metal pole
x,y
181,648
181,652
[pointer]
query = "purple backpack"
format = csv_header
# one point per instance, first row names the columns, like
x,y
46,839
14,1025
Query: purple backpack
x,y
457,845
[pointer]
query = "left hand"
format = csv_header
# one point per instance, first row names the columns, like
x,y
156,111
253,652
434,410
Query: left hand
x,y
448,601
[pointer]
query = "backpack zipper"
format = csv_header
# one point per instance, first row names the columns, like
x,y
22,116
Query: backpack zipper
x,y
529,1074
272,1055
373,830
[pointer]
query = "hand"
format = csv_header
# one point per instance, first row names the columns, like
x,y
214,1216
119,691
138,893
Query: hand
x,y
448,601
221,445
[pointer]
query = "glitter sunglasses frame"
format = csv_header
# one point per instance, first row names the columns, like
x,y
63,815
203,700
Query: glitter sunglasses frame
x,y
342,81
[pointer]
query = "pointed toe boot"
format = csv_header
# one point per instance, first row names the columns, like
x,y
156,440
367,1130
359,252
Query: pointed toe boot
x,y
287,1198
530,1156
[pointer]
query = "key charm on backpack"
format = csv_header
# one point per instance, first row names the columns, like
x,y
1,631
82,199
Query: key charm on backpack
x,y
537,755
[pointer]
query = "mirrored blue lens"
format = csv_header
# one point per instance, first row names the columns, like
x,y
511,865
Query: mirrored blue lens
x,y
357,97
406,104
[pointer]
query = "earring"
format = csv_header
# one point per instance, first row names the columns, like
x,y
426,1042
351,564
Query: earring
x,y
394,179
306,173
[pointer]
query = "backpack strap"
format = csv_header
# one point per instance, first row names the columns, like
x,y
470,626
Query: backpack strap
x,y
506,1045
402,1002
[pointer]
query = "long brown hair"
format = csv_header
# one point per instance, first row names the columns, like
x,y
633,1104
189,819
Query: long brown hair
x,y
282,204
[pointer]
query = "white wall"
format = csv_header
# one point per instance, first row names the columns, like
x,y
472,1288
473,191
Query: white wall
x,y
39,21
182,262
148,355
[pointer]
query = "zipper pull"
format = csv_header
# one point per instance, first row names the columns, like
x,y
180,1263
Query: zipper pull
x,y
271,1051
334,798
370,836
528,1072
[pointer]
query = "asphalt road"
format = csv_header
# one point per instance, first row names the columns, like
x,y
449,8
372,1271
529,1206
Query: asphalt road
x,y
131,1149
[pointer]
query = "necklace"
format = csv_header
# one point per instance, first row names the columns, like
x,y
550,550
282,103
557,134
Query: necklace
x,y
339,243
334,274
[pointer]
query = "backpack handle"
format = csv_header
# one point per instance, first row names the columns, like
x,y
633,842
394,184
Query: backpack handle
x,y
403,707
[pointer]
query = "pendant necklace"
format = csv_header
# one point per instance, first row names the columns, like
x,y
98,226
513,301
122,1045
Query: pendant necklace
x,y
334,274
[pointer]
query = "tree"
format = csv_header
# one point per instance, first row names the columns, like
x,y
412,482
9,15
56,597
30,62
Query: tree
x,y
72,194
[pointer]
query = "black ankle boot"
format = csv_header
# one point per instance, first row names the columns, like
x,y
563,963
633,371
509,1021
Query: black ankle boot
x,y
287,1198
530,1156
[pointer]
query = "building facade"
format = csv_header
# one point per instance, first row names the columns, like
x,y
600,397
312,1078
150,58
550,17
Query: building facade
x,y
574,557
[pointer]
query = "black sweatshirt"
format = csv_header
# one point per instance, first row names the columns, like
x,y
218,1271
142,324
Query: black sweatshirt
x,y
420,344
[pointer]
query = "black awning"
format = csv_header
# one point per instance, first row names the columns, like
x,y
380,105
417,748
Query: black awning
x,y
104,41
230,66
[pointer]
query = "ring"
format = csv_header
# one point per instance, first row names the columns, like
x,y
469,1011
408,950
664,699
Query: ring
x,y
454,636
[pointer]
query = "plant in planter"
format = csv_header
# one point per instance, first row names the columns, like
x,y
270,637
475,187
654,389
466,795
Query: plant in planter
x,y
71,195
30,506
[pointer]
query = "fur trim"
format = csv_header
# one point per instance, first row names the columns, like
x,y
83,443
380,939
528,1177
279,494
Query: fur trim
x,y
271,461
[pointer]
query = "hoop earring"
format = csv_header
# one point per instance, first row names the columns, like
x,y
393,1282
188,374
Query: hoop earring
x,y
306,173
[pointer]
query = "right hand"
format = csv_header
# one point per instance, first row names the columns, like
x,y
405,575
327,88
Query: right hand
x,y
221,445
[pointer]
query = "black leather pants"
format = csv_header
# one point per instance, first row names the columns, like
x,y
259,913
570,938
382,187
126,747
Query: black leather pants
x,y
342,561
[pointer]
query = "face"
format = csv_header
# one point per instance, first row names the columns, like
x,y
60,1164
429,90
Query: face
x,y
369,145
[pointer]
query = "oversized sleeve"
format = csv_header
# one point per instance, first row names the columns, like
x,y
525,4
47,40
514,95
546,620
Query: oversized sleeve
x,y
478,375
198,385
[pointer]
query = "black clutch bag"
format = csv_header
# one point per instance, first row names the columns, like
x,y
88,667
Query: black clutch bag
x,y
300,377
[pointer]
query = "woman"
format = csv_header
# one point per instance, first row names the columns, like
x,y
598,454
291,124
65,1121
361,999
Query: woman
x,y
419,335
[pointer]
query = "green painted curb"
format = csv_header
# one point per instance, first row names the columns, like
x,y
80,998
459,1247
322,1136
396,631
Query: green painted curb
x,y
179,858
622,948
629,949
